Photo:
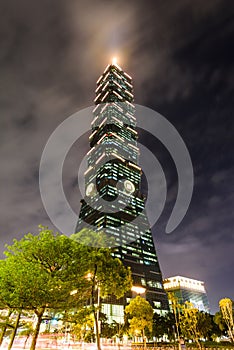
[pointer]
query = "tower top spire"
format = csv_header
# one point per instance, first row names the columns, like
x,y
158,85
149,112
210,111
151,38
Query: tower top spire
x,y
114,62
114,85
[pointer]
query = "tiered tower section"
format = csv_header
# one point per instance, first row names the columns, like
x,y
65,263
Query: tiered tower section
x,y
114,202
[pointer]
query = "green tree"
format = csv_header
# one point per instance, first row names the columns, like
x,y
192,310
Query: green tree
x,y
194,323
106,329
81,322
177,309
9,295
119,329
219,321
159,327
107,275
226,308
215,330
12,321
204,324
139,313
164,325
40,271
170,325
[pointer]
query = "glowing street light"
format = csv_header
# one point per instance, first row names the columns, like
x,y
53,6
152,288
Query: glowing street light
x,y
89,276
73,292
138,290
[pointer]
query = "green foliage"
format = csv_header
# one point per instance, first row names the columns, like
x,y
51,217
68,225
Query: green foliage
x,y
164,325
81,323
177,309
189,323
5,323
194,323
218,319
204,324
40,271
140,316
106,272
107,275
93,239
5,320
226,308
50,271
118,329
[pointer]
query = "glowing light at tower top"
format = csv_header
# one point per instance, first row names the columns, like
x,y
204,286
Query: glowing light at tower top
x,y
114,60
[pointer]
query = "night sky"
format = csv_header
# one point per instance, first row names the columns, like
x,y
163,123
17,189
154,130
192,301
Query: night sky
x,y
180,55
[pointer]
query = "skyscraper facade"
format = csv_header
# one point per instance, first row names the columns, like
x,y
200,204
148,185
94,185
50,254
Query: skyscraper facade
x,y
113,200
188,289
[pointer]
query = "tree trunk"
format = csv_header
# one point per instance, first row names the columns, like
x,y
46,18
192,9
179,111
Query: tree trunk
x,y
97,332
95,314
232,336
26,340
144,339
5,326
230,333
198,343
177,325
13,334
37,329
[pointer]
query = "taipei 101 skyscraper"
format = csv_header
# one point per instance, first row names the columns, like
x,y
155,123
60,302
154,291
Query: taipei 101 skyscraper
x,y
113,201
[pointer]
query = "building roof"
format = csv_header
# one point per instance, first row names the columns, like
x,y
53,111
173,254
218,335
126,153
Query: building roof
x,y
179,282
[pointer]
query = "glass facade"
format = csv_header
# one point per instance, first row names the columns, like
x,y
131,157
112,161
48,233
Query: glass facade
x,y
188,289
114,202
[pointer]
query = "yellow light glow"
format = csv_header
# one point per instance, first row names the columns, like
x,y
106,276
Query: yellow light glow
x,y
89,276
73,292
114,60
138,290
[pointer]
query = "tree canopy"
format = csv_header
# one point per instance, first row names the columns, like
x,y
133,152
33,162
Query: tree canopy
x,y
139,313
108,275
50,271
226,308
40,271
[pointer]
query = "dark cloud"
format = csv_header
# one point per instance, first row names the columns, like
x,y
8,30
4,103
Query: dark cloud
x,y
180,55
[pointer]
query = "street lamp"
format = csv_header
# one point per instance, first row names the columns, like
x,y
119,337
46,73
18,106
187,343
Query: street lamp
x,y
138,289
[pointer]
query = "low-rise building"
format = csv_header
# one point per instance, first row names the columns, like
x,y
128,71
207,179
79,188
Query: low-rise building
x,y
188,289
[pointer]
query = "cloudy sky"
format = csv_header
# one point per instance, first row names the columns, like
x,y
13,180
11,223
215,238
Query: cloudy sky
x,y
180,55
